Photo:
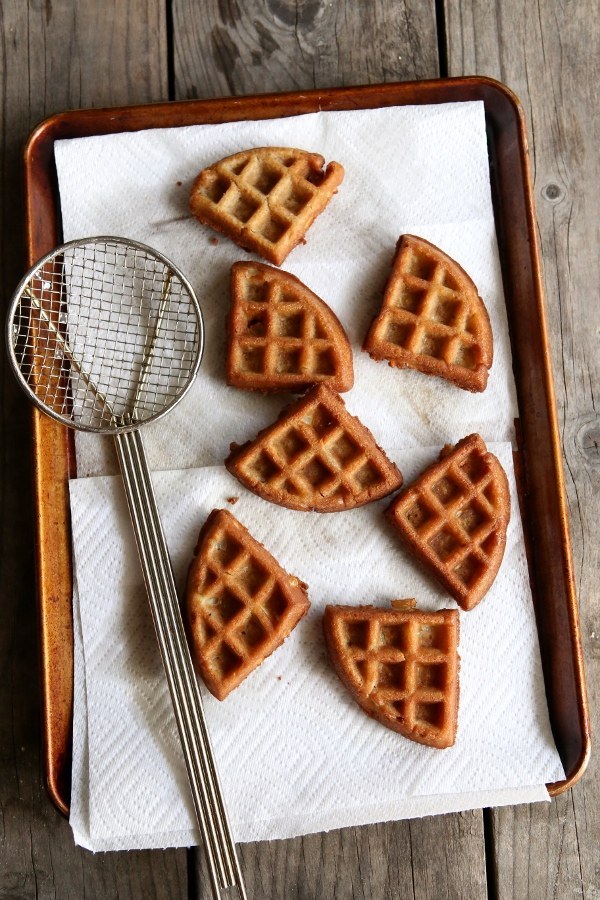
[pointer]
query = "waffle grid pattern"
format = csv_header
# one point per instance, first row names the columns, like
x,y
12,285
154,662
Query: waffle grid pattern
x,y
432,318
240,607
401,666
312,457
270,196
280,337
453,512
424,314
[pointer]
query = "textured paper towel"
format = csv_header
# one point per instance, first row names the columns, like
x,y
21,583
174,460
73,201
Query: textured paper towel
x,y
296,754
408,169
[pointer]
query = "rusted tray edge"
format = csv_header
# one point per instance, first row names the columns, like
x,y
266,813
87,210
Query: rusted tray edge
x,y
557,787
572,607
52,441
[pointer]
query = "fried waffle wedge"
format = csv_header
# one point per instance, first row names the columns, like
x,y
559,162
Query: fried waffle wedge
x,y
265,199
240,604
432,318
281,336
401,666
454,519
316,456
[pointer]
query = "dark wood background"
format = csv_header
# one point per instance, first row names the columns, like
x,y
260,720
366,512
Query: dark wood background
x,y
61,54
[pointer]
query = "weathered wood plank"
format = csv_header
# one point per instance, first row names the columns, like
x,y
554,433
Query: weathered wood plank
x,y
55,55
236,47
242,48
377,862
549,54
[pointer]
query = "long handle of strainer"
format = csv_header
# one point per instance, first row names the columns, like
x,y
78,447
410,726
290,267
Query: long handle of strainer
x,y
156,565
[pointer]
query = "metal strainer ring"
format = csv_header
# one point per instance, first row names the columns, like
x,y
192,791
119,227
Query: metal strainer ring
x,y
104,335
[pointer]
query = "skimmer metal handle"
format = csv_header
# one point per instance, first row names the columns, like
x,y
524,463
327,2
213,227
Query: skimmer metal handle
x,y
156,565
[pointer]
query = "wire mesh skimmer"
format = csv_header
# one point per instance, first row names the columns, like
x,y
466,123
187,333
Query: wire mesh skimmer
x,y
106,335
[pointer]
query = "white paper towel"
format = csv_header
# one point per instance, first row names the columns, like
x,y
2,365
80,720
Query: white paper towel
x,y
295,752
421,170
414,169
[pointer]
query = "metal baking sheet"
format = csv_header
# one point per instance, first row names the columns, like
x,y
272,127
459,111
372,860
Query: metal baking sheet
x,y
538,460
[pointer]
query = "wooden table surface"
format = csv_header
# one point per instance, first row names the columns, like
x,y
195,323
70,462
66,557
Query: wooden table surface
x,y
62,54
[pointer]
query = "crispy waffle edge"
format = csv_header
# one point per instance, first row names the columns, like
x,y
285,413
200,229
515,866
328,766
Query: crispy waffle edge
x,y
333,175
466,599
299,606
329,622
475,380
341,381
319,393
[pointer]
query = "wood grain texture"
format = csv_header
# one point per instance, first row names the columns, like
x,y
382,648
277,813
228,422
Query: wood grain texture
x,y
57,54
54,55
424,859
554,66
238,47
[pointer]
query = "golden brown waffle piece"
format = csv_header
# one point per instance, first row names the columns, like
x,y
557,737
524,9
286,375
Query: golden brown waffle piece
x,y
240,604
265,199
281,336
401,666
432,318
454,519
316,456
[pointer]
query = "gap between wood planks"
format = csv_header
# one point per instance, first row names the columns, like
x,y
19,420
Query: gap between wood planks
x,y
442,39
491,868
